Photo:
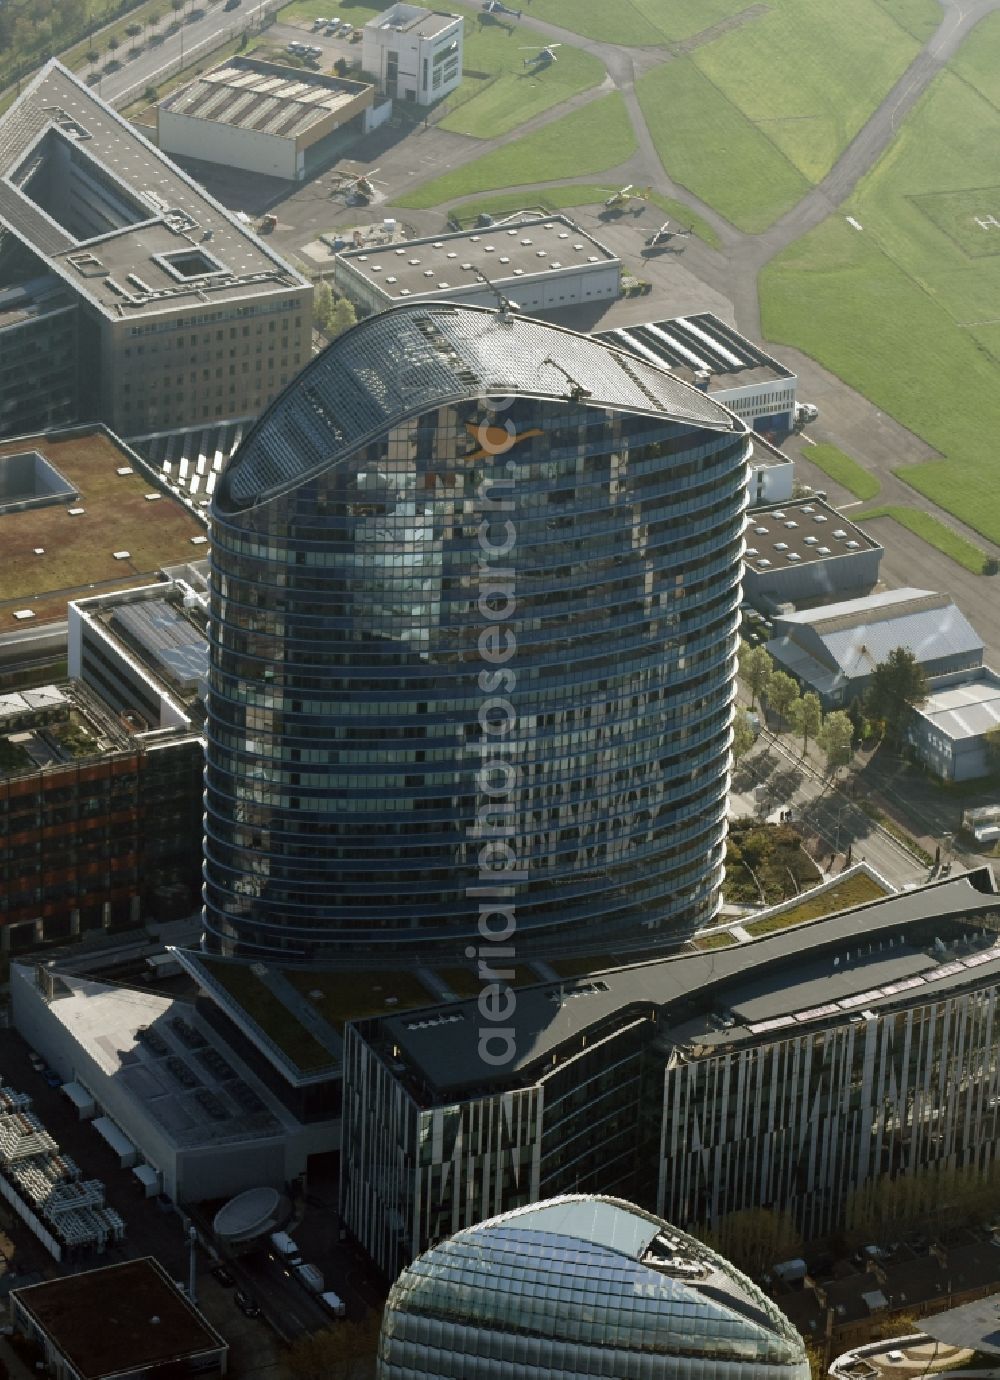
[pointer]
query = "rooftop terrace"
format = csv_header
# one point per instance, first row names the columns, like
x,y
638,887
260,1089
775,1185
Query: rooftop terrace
x,y
53,554
100,1320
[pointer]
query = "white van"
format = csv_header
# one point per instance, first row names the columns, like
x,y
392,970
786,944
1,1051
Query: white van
x,y
335,1304
309,1276
283,1245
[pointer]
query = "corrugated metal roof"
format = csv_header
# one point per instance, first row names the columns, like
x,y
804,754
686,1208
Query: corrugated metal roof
x,y
406,360
965,711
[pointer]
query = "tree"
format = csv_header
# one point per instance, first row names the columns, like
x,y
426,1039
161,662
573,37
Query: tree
x,y
323,305
756,668
343,318
755,1238
113,44
898,685
93,56
743,735
836,738
134,30
347,1353
782,692
991,742
807,717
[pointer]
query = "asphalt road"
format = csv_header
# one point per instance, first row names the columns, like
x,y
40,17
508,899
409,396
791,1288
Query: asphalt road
x,y
820,809
213,28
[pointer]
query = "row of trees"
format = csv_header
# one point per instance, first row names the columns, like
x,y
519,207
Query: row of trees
x,y
897,686
332,315
803,713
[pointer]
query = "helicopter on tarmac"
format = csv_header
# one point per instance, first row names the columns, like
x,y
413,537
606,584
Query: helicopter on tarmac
x,y
664,235
544,56
498,7
624,194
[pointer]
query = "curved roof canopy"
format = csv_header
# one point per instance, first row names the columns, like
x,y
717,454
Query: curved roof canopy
x,y
413,358
582,1268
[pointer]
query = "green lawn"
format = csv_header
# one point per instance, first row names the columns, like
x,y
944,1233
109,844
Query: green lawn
x,y
749,120
552,199
932,531
906,309
843,470
588,140
918,17
611,21
499,92
708,146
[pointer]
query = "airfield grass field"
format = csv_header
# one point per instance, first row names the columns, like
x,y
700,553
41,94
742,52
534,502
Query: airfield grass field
x,y
843,470
588,140
907,309
581,194
708,146
499,92
931,530
751,119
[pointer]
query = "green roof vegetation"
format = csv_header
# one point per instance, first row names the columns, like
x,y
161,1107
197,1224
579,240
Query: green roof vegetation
x,y
78,557
466,982
852,891
347,995
719,940
272,1017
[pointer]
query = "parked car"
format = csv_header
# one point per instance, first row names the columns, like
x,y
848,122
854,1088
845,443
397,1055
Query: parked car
x,y
52,1078
232,4
220,1273
319,23
246,1304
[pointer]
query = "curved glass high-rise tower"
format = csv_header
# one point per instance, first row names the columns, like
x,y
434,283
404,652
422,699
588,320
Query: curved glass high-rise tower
x,y
475,606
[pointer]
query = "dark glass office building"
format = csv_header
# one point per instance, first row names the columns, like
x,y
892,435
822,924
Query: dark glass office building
x,y
476,583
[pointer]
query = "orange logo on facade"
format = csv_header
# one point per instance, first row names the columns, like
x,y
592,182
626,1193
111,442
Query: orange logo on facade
x,y
496,440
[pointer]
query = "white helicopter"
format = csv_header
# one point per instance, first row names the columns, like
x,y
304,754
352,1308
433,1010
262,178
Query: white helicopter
x,y
544,56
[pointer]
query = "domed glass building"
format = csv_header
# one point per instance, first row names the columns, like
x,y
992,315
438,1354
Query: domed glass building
x,y
475,599
582,1286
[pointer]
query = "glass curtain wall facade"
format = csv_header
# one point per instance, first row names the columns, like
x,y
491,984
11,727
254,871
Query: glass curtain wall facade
x,y
582,1286
474,578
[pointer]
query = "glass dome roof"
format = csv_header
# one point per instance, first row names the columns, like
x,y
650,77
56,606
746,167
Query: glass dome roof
x,y
585,1272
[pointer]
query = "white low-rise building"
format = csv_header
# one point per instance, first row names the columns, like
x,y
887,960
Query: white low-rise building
x,y
539,263
415,53
263,117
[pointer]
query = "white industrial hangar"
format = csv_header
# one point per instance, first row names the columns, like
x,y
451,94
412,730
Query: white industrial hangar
x,y
538,262
263,117
703,350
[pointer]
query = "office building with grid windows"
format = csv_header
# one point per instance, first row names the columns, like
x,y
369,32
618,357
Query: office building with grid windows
x,y
460,528
582,1286
127,294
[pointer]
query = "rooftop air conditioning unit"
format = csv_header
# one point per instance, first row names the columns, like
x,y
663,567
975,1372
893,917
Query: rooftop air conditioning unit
x,y
781,546
763,563
853,546
840,532
794,556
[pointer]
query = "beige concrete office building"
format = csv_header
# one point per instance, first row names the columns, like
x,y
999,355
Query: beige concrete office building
x,y
183,316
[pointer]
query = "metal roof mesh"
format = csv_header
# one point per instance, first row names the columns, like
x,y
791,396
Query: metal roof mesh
x,y
410,359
